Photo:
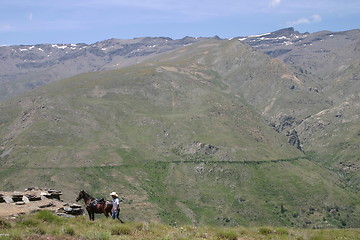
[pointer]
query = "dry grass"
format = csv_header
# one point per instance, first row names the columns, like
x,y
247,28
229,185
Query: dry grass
x,y
44,225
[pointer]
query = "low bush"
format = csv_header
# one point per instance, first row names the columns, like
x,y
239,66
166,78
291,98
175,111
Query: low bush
x,y
16,236
4,225
227,235
39,230
139,226
30,222
96,236
282,231
121,230
265,230
47,216
69,231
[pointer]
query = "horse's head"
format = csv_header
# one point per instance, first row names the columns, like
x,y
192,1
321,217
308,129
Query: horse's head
x,y
81,195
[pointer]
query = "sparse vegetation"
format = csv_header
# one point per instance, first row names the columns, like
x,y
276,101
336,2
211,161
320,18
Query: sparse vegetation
x,y
121,230
107,229
227,235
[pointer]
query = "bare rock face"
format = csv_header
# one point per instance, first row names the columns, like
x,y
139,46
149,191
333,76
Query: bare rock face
x,y
294,139
283,122
203,148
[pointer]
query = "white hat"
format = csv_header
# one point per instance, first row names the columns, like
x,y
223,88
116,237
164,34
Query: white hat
x,y
113,194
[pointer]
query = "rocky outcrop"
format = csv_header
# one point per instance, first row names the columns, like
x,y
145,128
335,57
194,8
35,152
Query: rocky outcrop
x,y
283,37
283,122
294,139
199,147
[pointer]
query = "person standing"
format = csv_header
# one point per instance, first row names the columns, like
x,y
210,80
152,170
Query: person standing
x,y
116,206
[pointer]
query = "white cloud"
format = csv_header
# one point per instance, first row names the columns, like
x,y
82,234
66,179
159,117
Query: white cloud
x,y
312,19
316,18
275,3
5,28
31,16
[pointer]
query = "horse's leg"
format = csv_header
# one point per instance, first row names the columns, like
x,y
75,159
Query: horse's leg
x,y
93,216
89,215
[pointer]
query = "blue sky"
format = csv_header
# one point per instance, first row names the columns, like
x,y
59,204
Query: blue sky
x,y
76,21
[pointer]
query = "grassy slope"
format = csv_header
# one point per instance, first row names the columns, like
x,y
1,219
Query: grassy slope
x,y
131,130
44,225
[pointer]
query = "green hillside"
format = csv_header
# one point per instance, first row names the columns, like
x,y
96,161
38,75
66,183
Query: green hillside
x,y
184,138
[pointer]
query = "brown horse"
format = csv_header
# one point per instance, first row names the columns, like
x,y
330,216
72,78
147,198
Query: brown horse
x,y
94,206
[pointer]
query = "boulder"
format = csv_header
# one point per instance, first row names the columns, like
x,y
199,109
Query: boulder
x,y
25,199
8,199
72,209
31,189
47,205
65,215
33,197
52,194
74,205
17,197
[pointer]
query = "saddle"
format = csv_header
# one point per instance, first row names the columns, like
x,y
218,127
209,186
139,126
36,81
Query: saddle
x,y
96,202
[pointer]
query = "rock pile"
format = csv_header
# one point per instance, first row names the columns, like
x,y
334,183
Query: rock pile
x,y
35,199
30,194
71,209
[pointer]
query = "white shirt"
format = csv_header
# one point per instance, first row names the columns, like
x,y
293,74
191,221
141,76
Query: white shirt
x,y
116,203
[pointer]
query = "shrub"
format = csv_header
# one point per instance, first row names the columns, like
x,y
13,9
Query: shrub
x,y
16,236
121,230
282,231
227,235
96,236
39,230
69,231
4,225
47,216
28,223
139,226
265,230
5,237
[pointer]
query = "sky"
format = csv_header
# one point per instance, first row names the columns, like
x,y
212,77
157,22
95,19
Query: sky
x,y
26,22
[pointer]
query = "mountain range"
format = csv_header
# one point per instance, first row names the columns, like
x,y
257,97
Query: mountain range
x,y
245,131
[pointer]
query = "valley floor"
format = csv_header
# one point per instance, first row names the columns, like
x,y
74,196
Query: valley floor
x,y
45,225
